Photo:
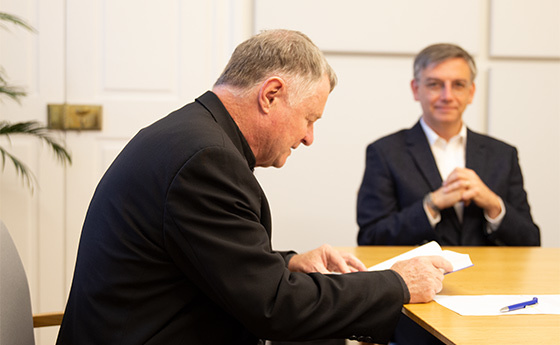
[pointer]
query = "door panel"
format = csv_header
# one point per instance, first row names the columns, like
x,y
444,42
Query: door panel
x,y
140,60
35,219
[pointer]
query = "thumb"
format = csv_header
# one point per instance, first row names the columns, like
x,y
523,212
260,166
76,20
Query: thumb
x,y
336,263
441,263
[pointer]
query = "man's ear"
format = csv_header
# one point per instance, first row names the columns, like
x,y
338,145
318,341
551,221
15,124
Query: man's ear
x,y
414,87
270,92
471,92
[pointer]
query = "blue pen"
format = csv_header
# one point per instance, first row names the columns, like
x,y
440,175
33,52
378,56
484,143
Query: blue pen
x,y
519,305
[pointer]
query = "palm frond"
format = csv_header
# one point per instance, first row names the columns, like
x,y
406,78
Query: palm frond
x,y
21,168
33,128
39,131
13,92
10,18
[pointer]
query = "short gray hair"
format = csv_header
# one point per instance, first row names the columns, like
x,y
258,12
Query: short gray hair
x,y
440,52
286,53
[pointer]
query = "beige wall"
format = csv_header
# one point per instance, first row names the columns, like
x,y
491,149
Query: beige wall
x,y
371,45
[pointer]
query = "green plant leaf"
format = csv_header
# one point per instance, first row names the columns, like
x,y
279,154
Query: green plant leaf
x,y
39,131
17,21
21,168
32,128
13,92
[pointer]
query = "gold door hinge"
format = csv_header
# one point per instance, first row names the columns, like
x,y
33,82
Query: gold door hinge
x,y
75,117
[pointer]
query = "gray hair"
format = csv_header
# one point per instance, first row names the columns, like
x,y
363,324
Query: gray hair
x,y
285,53
440,52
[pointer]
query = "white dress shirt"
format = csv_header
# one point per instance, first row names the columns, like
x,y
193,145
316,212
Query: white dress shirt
x,y
448,156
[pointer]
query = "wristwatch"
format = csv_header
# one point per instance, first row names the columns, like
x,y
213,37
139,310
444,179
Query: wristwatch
x,y
430,203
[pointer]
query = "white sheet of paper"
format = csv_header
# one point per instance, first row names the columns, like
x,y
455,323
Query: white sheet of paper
x,y
458,260
487,305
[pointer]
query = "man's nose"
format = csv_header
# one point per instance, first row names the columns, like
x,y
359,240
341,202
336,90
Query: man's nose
x,y
446,91
308,139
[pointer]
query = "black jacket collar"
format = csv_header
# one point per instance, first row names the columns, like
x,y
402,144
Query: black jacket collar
x,y
212,103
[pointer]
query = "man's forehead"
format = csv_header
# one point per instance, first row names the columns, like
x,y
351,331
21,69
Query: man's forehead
x,y
434,78
453,67
454,60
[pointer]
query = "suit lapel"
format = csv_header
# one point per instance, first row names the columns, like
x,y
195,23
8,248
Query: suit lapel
x,y
475,158
419,150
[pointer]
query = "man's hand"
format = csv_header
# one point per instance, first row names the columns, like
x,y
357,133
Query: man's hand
x,y
325,259
423,276
473,190
464,185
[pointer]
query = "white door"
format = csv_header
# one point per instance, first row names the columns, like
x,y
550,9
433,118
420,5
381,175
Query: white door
x,y
139,60
35,219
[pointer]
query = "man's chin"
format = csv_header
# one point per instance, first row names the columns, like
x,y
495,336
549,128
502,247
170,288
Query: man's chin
x,y
447,114
275,164
280,164
281,161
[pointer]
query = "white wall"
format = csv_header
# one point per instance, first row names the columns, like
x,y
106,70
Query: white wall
x,y
371,45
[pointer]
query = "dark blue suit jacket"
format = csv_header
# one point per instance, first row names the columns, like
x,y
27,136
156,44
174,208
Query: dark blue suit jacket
x,y
400,170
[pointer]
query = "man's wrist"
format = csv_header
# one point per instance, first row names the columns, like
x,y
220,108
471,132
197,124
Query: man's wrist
x,y
496,208
429,202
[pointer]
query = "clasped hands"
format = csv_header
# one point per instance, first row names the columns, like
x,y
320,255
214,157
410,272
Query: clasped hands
x,y
423,275
464,185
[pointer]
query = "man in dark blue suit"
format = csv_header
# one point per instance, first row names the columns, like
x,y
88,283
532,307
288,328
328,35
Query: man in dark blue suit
x,y
439,180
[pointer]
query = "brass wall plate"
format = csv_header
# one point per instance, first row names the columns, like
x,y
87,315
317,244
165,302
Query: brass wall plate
x,y
75,117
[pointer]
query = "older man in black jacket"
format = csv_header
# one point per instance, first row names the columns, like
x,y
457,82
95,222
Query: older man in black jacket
x,y
176,245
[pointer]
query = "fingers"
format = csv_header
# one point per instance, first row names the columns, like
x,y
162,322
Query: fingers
x,y
336,263
465,185
472,190
465,176
353,262
459,174
342,262
457,185
423,276
325,259
311,261
437,288
460,179
440,263
445,197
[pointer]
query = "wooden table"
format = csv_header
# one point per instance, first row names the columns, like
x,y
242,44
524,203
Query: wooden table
x,y
496,271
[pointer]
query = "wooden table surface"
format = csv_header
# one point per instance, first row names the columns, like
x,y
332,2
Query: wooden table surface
x,y
496,271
